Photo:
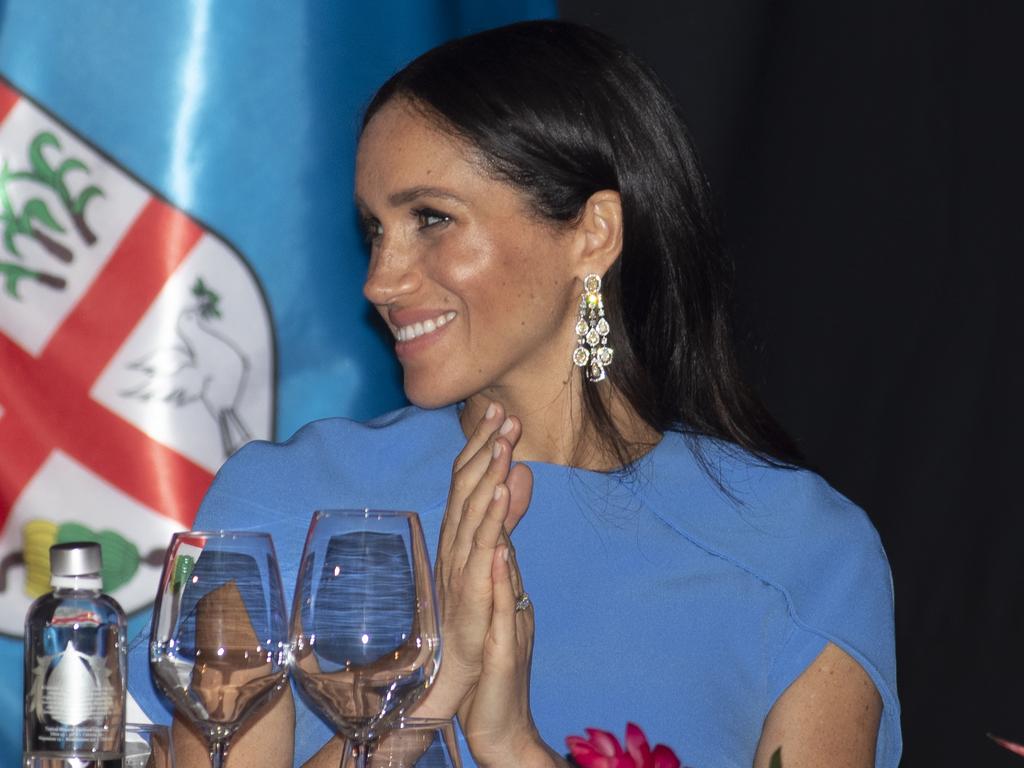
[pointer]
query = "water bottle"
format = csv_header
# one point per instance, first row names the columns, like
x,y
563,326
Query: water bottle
x,y
75,667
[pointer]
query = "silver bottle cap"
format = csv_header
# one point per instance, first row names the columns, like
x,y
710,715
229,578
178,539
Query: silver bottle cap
x,y
75,558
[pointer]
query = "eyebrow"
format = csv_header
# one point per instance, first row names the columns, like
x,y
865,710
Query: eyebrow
x,y
414,193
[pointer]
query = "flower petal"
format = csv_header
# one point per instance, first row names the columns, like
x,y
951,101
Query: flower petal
x,y
605,742
583,752
664,758
572,742
1017,749
637,746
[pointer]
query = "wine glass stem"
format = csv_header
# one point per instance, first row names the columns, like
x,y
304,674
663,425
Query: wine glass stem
x,y
218,753
360,755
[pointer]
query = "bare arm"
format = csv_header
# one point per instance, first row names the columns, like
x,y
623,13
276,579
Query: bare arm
x,y
267,739
828,716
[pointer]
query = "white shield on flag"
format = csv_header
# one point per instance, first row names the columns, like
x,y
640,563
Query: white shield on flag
x,y
136,354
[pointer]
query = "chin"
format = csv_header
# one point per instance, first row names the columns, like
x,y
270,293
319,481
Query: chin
x,y
430,397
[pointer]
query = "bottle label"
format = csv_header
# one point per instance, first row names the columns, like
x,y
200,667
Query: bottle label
x,y
66,616
71,689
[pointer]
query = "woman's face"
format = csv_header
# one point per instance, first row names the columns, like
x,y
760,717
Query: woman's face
x,y
478,290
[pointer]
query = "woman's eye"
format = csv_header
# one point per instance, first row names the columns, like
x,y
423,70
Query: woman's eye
x,y
372,230
428,217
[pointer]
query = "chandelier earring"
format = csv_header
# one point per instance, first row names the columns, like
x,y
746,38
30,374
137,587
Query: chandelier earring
x,y
592,351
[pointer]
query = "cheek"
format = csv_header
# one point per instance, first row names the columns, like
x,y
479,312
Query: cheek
x,y
483,273
518,285
526,281
542,284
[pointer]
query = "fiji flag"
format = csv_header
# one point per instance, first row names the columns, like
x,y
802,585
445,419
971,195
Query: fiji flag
x,y
180,266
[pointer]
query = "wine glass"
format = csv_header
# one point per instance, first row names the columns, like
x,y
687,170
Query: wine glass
x,y
365,632
219,642
411,742
148,745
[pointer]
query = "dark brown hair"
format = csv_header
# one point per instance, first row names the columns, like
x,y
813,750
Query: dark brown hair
x,y
561,111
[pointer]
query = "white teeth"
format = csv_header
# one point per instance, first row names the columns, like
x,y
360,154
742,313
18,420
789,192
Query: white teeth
x,y
415,330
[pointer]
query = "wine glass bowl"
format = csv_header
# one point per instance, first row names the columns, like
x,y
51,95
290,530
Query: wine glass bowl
x,y
411,743
219,644
365,629
148,745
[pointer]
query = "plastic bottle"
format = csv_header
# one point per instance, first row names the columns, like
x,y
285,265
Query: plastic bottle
x,y
75,667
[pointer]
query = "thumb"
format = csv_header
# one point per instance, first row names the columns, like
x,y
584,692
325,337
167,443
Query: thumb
x,y
520,488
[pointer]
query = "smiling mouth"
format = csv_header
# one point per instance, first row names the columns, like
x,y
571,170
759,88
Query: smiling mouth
x,y
415,330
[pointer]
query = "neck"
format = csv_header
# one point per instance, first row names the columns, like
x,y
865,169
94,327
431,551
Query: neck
x,y
556,429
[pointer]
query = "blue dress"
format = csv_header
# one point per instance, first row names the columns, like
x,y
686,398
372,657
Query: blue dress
x,y
666,597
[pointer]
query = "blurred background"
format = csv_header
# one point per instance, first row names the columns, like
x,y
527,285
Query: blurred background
x,y
866,161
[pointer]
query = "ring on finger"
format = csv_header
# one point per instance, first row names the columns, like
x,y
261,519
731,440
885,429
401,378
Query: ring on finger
x,y
523,602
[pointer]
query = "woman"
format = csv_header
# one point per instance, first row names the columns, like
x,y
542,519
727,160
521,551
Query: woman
x,y
684,573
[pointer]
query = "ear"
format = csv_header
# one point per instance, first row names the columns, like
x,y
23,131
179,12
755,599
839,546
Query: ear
x,y
599,232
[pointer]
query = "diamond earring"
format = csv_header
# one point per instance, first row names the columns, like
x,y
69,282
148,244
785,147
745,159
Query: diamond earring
x,y
592,351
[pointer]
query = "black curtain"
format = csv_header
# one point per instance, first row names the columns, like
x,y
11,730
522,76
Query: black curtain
x,y
867,161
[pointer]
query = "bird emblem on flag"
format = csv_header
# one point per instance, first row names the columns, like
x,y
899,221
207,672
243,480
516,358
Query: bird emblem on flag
x,y
136,354
203,365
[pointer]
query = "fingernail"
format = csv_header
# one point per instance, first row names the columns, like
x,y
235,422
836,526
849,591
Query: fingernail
x,y
491,410
497,492
504,554
506,427
496,451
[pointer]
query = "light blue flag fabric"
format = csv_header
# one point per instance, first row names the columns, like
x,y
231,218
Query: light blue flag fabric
x,y
180,267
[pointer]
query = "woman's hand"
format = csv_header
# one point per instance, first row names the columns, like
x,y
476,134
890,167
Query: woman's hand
x,y
496,716
488,496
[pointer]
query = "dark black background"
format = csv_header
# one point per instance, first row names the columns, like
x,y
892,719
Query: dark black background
x,y
867,161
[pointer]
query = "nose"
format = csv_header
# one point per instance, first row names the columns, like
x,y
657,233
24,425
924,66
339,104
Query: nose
x,y
390,276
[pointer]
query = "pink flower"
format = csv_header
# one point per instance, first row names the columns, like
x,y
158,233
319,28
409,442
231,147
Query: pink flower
x,y
602,750
1017,749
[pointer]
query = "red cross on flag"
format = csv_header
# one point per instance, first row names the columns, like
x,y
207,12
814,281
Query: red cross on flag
x,y
136,354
